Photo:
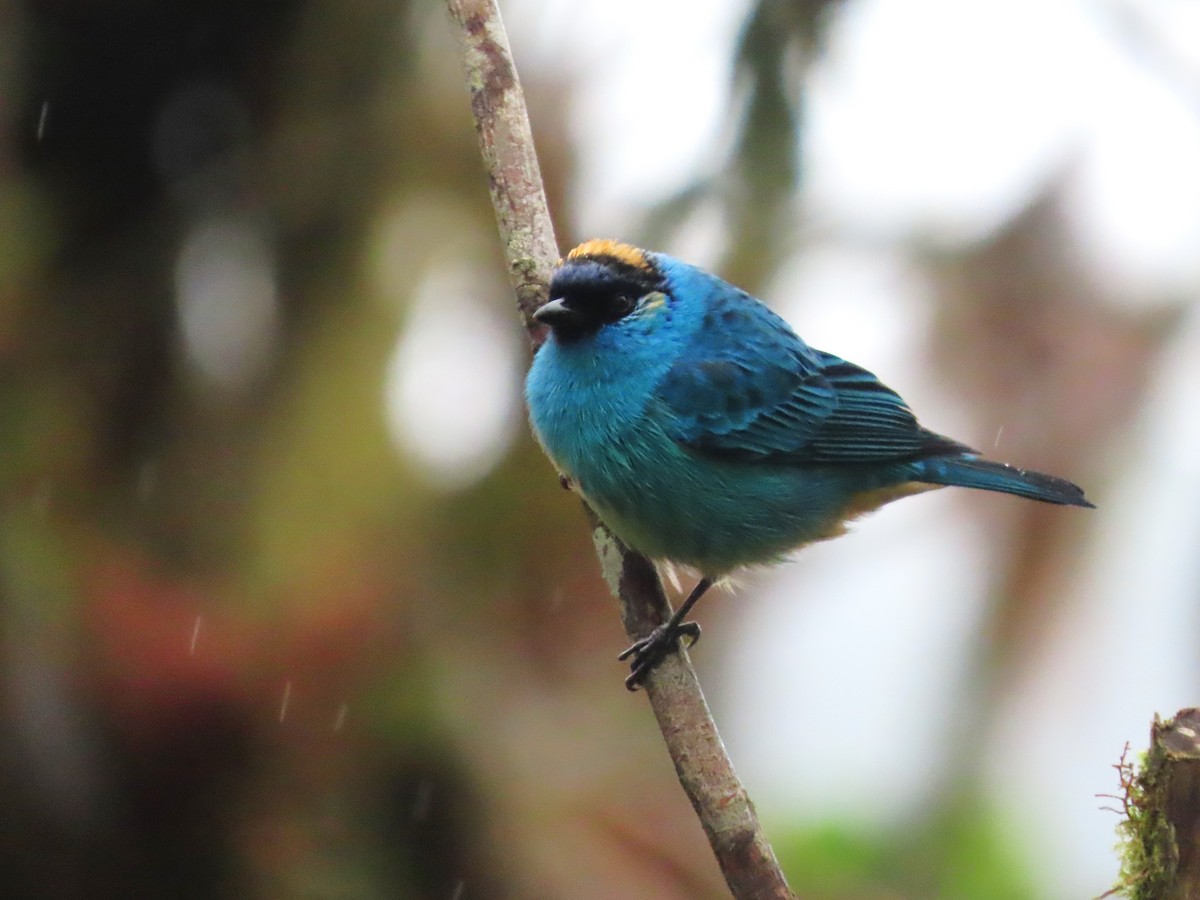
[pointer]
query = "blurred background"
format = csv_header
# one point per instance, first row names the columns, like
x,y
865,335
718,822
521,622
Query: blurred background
x,y
292,606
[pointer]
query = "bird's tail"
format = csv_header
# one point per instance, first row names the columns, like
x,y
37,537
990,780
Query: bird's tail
x,y
974,472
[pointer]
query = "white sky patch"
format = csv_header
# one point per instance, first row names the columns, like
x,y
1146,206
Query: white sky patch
x,y
942,116
226,296
1172,27
650,86
1135,200
452,394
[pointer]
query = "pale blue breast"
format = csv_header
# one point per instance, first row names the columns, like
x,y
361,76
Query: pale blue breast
x,y
586,400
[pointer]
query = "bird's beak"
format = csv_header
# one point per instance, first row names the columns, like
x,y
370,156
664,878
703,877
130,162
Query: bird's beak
x,y
557,314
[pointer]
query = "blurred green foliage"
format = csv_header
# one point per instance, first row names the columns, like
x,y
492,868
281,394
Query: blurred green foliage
x,y
962,851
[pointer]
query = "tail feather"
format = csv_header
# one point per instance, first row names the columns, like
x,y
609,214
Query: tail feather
x,y
974,472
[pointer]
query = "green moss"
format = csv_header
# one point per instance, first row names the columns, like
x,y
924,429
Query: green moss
x,y
1146,840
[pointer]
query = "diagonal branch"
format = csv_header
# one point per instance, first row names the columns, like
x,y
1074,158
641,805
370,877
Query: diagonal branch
x,y
721,803
509,158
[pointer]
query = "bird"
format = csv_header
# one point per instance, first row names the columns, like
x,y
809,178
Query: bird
x,y
706,433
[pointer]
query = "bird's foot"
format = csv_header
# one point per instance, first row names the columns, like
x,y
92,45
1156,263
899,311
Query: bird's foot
x,y
649,651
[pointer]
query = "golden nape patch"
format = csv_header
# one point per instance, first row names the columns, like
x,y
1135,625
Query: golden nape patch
x,y
602,248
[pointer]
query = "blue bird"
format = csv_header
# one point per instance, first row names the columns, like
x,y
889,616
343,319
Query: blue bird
x,y
705,432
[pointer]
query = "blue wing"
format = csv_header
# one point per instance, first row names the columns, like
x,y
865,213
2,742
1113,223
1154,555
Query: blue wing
x,y
749,388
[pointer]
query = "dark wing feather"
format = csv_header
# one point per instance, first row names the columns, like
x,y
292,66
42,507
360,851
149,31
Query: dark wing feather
x,y
750,389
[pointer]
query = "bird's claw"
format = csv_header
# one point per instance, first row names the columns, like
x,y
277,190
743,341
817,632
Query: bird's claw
x,y
649,651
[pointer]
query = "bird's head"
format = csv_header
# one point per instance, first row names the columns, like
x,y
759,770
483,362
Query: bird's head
x,y
601,283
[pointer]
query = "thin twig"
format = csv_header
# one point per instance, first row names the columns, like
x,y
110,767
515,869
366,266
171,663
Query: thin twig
x,y
509,158
721,803
701,763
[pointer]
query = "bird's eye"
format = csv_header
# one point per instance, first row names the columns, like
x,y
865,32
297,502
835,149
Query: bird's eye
x,y
623,304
